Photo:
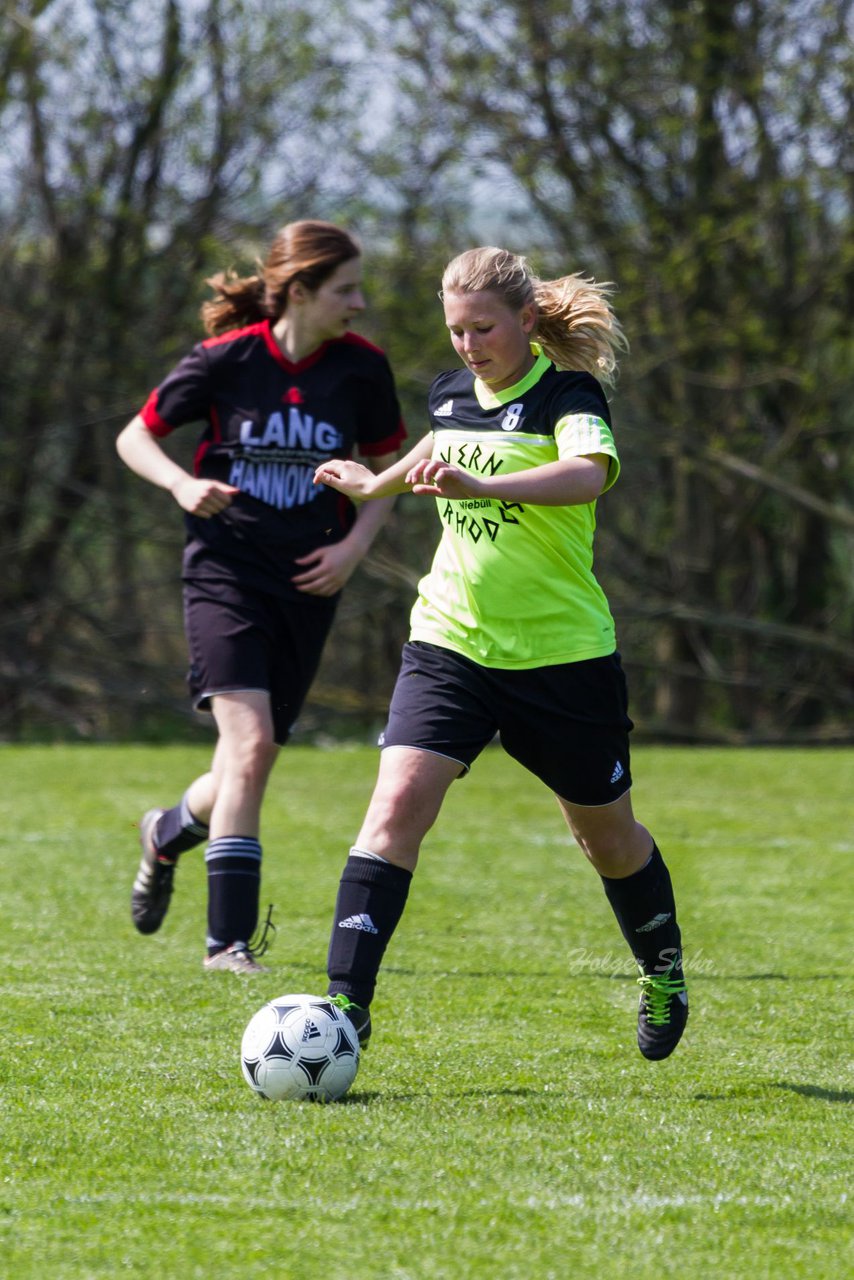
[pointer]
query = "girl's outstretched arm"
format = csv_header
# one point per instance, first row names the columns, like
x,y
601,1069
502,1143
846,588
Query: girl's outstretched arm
x,y
360,483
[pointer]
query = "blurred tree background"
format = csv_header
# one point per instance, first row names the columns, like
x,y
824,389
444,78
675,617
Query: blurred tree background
x,y
695,152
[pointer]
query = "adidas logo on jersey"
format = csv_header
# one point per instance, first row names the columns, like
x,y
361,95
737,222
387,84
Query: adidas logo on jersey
x,y
445,410
618,772
362,922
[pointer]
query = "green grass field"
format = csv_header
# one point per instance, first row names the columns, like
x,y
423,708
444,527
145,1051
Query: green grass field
x,y
502,1123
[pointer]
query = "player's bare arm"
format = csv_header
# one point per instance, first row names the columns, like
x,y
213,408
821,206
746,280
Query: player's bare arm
x,y
140,451
566,483
360,483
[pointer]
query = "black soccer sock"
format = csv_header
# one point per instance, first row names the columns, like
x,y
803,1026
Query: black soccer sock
x,y
234,883
371,898
177,830
646,912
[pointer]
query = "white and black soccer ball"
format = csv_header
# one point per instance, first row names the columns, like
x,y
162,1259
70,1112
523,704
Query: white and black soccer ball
x,y
300,1047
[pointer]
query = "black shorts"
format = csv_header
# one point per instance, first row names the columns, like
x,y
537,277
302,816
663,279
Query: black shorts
x,y
568,724
241,639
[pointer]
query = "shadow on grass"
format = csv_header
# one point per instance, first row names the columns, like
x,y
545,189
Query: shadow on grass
x,y
779,977
604,972
612,975
693,976
369,1097
475,974
756,1089
816,1091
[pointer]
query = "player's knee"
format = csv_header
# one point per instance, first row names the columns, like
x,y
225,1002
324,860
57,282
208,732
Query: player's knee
x,y
615,851
398,818
252,758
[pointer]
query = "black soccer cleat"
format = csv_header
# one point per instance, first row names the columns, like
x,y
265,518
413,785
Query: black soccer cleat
x,y
662,1011
358,1015
152,888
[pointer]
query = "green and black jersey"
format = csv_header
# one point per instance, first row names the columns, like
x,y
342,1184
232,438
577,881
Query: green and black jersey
x,y
512,585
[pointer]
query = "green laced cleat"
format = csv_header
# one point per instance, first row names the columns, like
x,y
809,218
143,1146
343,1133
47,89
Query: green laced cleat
x,y
662,1011
358,1015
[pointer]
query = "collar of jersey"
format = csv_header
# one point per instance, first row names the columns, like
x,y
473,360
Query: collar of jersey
x,y
292,366
492,399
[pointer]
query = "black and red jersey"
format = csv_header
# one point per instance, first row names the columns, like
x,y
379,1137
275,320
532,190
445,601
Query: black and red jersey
x,y
269,424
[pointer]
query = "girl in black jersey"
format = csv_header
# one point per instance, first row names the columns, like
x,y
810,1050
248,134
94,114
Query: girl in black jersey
x,y
281,386
511,633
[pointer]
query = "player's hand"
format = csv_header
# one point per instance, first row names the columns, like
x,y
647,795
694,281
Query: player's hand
x,y
348,477
327,569
204,498
438,478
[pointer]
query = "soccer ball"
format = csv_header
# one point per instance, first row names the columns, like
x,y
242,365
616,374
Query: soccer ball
x,y
300,1047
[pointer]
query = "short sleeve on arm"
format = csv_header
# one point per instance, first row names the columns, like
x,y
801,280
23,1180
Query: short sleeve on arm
x,y
580,434
183,396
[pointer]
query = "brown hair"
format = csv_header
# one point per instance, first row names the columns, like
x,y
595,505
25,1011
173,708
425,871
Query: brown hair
x,y
306,251
576,325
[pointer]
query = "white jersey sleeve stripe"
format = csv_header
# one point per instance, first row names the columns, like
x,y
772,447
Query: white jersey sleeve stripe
x,y
579,434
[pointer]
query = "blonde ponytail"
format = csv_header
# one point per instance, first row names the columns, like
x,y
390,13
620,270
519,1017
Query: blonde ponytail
x,y
577,327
